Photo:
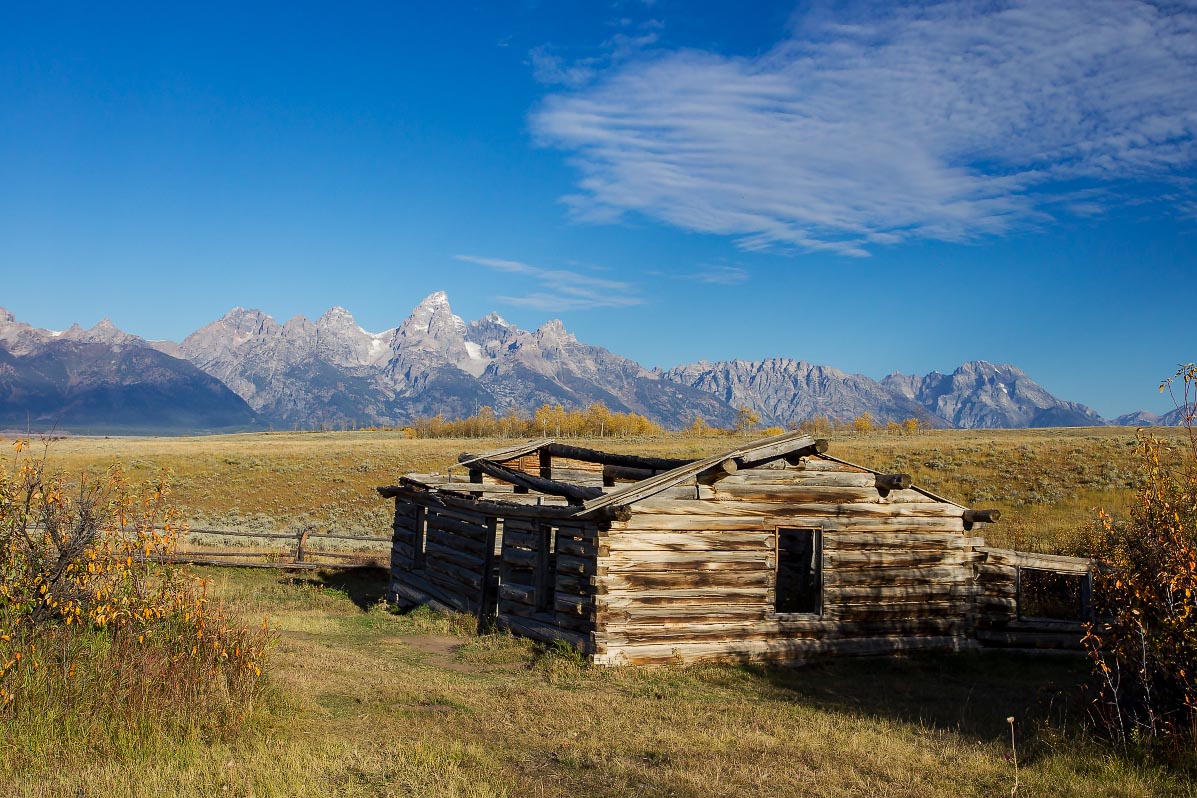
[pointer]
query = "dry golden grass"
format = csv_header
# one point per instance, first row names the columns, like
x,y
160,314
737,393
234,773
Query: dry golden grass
x,y
1048,483
369,703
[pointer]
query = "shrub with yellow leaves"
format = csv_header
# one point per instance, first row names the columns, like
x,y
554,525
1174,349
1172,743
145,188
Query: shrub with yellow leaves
x,y
1144,643
98,631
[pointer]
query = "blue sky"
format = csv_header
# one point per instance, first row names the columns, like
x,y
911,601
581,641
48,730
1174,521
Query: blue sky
x,y
867,186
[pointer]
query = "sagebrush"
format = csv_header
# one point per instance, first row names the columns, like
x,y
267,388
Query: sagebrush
x,y
102,643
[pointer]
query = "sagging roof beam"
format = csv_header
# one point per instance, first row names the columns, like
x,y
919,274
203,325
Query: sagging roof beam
x,y
431,496
788,443
618,473
606,458
574,494
764,454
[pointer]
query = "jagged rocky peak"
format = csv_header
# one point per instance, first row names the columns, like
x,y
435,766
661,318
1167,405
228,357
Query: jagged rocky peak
x,y
554,330
245,321
434,318
339,320
299,323
103,332
906,385
490,326
18,337
491,334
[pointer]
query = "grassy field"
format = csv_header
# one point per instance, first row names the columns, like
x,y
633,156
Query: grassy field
x,y
366,702
1048,483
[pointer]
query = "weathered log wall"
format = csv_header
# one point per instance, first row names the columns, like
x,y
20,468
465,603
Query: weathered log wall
x,y
692,575
531,575
546,586
1000,619
445,554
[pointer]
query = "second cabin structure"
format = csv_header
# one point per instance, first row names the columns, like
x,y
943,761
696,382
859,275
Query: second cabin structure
x,y
773,550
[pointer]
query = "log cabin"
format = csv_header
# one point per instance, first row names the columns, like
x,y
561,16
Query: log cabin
x,y
774,550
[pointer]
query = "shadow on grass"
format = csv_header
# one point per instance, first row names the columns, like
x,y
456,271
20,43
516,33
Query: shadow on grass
x,y
971,694
365,585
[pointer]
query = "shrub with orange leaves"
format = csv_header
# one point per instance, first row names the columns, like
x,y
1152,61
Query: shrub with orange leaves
x,y
1144,644
98,631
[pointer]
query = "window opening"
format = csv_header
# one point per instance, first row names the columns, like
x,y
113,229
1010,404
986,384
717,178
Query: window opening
x,y
1051,595
546,572
799,571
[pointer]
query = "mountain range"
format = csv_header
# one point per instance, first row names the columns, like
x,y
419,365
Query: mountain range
x,y
103,380
248,371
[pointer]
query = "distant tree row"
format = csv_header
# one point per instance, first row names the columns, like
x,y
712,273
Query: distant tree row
x,y
599,421
549,421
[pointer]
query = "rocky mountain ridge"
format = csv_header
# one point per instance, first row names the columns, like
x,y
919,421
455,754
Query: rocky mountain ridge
x,y
332,372
984,395
784,391
104,380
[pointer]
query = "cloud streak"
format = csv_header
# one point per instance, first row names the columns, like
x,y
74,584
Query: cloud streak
x,y
559,289
950,122
719,275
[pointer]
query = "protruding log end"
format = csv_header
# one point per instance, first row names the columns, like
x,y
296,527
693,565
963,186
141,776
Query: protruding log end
x,y
729,466
818,447
981,516
620,512
887,482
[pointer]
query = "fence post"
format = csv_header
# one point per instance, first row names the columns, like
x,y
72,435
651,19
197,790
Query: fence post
x,y
303,539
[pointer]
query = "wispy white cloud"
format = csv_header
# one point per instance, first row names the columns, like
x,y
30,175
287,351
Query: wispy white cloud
x,y
552,68
719,275
951,121
561,289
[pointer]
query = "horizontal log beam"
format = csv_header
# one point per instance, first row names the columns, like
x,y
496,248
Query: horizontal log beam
x,y
429,496
576,494
785,649
607,458
1044,562
618,473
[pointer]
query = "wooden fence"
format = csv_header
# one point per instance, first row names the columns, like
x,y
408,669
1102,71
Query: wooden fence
x,y
306,551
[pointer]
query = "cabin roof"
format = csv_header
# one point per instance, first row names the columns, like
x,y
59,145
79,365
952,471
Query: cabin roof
x,y
652,474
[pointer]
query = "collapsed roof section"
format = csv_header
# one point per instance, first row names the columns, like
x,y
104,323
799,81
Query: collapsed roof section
x,y
627,479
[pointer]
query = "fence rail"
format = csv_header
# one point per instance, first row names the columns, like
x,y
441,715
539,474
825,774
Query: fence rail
x,y
301,555
306,552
